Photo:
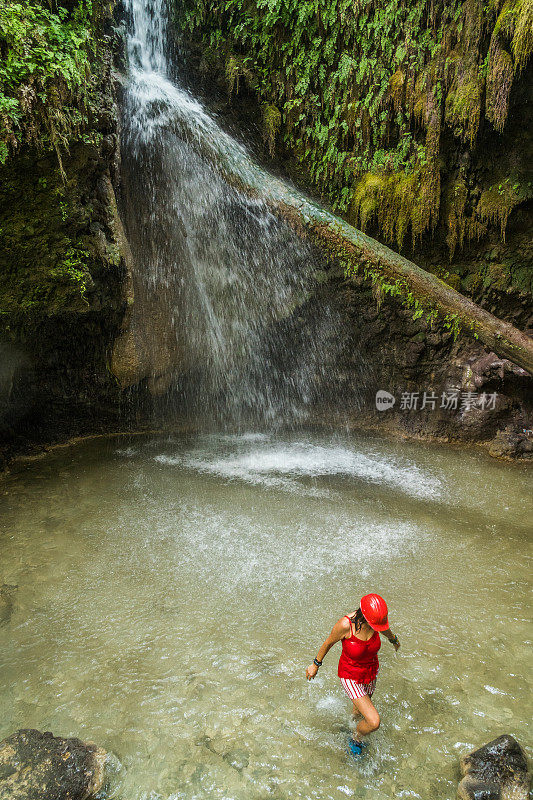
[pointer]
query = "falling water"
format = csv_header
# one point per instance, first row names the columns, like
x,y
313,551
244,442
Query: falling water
x,y
219,276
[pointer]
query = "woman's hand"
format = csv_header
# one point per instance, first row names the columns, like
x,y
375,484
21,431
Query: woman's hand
x,y
393,639
340,629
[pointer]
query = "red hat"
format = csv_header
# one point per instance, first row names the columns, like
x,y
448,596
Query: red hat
x,y
375,611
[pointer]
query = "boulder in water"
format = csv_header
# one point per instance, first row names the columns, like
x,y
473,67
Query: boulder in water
x,y
36,765
496,771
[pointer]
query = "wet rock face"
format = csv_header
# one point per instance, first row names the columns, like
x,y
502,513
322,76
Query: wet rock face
x,y
386,349
63,277
496,771
35,766
512,443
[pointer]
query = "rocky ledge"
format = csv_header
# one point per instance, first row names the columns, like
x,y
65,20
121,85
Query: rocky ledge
x,y
36,765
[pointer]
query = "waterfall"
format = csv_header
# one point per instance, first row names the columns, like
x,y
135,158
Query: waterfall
x,y
217,275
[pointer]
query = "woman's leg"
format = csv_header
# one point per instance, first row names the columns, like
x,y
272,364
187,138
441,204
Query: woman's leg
x,y
370,721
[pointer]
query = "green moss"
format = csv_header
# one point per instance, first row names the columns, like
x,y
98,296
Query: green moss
x,y
497,276
453,280
522,44
396,202
418,307
522,277
43,267
463,108
505,23
236,69
499,83
48,57
455,207
463,225
497,202
366,199
397,88
472,283
271,125
368,88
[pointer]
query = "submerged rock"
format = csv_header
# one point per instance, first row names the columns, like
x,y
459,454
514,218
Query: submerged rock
x,y
239,758
496,771
7,592
36,765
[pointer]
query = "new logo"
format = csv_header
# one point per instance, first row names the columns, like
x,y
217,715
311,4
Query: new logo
x,y
384,400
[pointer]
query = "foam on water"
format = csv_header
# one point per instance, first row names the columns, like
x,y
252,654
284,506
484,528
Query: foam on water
x,y
283,464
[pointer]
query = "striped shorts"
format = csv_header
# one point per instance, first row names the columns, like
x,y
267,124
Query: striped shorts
x,y
355,690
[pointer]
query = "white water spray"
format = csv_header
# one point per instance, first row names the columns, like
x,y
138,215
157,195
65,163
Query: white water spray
x,y
219,276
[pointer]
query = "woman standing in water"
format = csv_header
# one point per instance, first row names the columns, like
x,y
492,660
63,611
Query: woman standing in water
x,y
358,664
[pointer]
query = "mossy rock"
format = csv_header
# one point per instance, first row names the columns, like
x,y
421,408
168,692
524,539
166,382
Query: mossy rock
x,y
463,107
40,765
453,280
522,277
472,283
498,275
44,265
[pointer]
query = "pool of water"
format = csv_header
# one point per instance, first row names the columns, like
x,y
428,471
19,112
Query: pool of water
x,y
172,591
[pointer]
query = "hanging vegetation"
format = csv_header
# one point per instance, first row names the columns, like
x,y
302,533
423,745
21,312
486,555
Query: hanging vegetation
x,y
364,90
47,78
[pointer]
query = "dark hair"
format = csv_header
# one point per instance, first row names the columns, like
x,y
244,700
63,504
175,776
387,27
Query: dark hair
x,y
358,619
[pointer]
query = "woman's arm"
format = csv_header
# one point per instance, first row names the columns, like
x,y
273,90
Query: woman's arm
x,y
339,631
392,638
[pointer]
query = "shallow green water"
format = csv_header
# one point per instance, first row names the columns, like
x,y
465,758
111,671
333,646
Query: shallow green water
x,y
171,593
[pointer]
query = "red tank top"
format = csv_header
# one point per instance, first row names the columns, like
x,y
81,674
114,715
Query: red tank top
x,y
359,659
